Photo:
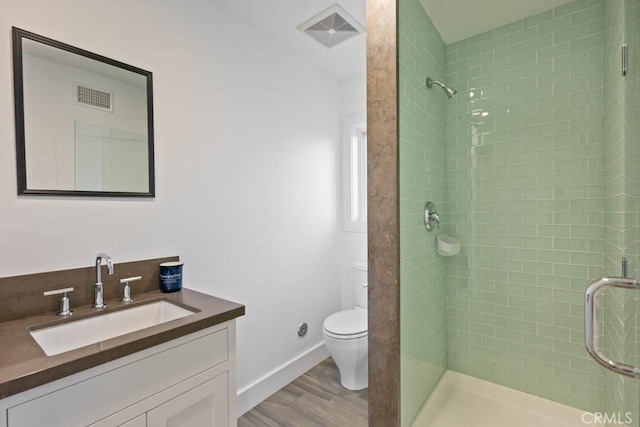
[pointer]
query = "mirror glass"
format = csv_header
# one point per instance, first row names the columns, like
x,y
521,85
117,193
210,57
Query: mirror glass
x,y
84,123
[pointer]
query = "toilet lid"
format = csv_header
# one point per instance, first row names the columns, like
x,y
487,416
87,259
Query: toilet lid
x,y
348,322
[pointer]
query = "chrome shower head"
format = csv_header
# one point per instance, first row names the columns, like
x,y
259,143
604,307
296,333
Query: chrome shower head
x,y
447,89
451,92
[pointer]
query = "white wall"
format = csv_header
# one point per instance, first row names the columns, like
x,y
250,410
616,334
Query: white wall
x,y
354,94
247,169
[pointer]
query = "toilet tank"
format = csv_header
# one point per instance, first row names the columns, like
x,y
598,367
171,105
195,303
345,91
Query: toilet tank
x,y
359,278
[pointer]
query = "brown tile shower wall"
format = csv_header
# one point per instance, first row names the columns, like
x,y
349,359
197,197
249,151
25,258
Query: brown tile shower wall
x,y
21,296
383,228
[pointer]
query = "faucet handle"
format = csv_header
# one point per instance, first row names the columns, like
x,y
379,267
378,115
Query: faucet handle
x,y
65,309
431,217
126,293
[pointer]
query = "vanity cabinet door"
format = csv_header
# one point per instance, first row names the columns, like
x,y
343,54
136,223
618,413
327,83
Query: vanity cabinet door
x,y
140,421
206,405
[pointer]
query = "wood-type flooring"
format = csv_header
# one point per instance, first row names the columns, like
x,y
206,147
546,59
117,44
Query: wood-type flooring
x,y
314,399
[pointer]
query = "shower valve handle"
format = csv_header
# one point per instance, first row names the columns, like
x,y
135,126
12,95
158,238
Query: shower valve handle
x,y
431,217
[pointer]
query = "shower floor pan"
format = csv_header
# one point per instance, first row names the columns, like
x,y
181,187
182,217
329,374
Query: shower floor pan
x,y
461,400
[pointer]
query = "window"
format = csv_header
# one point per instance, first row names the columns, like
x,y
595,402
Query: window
x,y
354,130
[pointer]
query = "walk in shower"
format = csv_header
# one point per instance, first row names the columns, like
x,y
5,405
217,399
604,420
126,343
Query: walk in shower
x,y
533,167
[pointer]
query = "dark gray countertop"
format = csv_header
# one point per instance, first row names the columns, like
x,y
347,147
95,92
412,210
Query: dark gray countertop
x,y
23,364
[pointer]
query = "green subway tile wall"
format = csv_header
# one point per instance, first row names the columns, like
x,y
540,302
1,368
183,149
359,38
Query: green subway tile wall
x,y
525,159
422,177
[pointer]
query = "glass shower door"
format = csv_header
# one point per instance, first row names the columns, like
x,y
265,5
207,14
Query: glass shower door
x,y
533,166
620,339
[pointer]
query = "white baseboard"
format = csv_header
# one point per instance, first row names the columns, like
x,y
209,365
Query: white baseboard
x,y
255,393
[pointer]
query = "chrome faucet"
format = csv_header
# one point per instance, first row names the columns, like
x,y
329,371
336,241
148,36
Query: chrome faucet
x,y
98,290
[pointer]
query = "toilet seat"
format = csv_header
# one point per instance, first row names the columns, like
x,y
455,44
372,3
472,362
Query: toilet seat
x,y
347,324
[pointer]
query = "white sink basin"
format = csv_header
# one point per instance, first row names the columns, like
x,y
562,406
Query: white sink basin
x,y
69,336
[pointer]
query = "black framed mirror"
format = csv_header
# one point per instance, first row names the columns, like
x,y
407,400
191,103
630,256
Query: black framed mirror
x,y
84,122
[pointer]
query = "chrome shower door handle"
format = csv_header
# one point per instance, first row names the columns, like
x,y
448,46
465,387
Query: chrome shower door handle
x,y
591,323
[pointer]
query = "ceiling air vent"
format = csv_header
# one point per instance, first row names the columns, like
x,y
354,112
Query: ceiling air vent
x,y
94,98
331,26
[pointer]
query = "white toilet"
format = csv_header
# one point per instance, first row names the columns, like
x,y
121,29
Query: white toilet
x,y
345,334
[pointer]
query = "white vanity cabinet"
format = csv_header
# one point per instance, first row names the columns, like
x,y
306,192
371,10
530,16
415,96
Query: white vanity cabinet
x,y
207,404
204,405
186,382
